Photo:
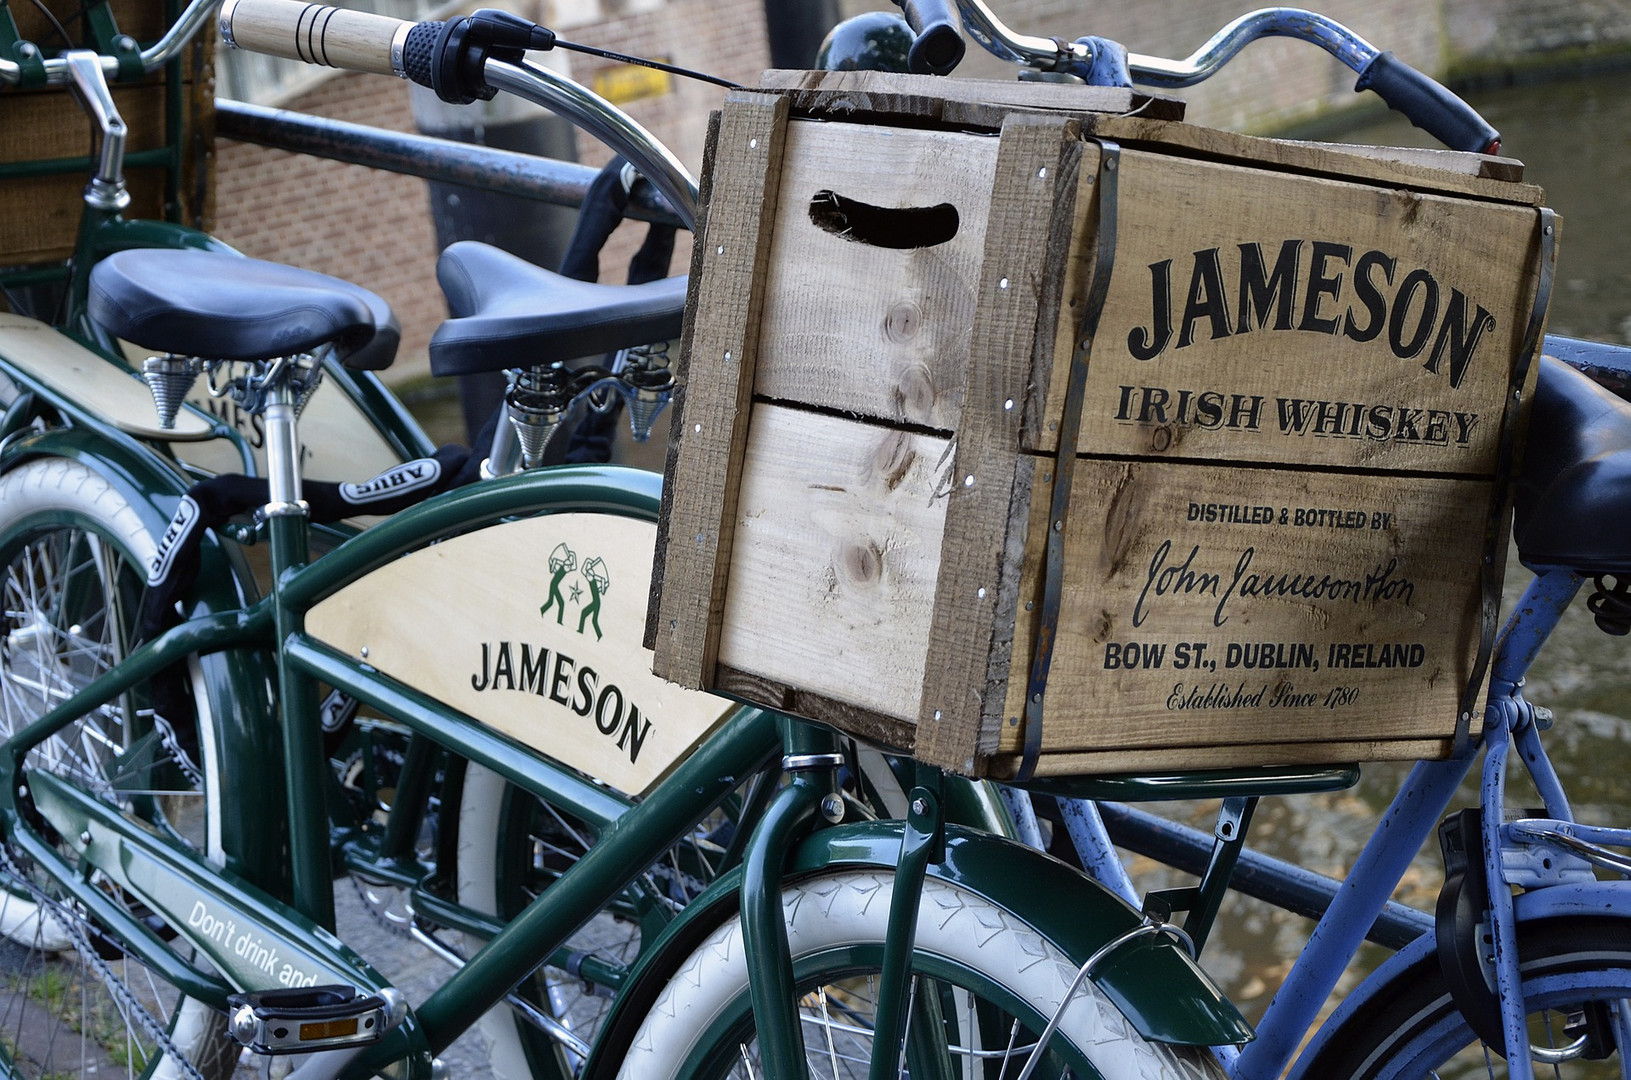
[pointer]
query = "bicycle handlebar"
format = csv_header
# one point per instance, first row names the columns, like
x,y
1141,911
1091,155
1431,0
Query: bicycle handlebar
x,y
461,59
163,51
1425,103
1429,105
326,36
939,46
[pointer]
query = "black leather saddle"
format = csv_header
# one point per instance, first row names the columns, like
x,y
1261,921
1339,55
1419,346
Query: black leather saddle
x,y
1573,504
508,313
221,306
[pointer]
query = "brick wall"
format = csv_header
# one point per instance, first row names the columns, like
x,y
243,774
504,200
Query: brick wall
x,y
365,226
1484,33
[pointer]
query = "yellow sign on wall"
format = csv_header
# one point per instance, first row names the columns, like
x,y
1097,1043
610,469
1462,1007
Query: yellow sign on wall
x,y
631,82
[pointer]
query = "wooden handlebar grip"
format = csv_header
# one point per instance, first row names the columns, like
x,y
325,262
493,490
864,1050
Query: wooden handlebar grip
x,y
331,37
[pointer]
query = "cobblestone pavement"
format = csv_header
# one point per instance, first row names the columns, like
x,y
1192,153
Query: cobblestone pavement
x,y
410,967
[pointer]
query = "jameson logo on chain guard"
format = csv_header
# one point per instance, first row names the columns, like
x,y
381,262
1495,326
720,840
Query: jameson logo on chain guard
x,y
533,628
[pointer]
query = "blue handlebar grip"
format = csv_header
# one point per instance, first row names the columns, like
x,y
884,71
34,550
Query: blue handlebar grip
x,y
1427,104
939,46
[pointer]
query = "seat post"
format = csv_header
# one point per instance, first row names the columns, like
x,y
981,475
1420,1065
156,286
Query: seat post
x,y
283,446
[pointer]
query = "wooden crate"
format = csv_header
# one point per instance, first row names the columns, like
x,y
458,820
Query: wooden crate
x,y
39,213
1301,387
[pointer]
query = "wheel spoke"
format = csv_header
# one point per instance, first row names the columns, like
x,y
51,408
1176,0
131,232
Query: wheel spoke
x,y
70,590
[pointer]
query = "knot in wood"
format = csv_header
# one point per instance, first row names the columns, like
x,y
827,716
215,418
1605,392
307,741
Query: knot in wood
x,y
862,563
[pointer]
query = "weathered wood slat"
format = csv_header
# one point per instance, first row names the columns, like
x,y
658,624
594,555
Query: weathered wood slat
x,y
838,532
1489,166
899,348
1306,159
926,97
721,345
885,97
1226,756
1037,165
1290,606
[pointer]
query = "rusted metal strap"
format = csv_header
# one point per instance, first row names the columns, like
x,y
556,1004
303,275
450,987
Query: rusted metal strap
x,y
1495,537
1070,424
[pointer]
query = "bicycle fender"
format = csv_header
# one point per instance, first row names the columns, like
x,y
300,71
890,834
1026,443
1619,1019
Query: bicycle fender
x,y
1584,900
1161,991
235,683
1164,995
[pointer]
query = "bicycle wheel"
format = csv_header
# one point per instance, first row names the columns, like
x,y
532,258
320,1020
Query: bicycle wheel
x,y
512,845
1576,987
72,1003
984,984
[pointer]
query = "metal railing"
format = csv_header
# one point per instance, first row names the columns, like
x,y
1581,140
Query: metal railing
x,y
444,160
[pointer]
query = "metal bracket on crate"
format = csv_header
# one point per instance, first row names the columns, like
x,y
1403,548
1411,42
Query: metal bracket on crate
x,y
1495,537
1064,465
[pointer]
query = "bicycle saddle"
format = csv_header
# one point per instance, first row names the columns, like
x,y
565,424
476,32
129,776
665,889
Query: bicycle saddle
x,y
1573,504
222,306
508,313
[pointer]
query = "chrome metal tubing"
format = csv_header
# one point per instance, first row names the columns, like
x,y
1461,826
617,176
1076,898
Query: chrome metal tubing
x,y
107,188
605,122
163,51
997,39
1046,53
1328,34
282,453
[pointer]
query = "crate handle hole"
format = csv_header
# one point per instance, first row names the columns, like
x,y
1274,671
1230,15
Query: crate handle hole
x,y
901,228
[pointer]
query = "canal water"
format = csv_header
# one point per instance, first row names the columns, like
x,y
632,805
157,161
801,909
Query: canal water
x,y
1572,138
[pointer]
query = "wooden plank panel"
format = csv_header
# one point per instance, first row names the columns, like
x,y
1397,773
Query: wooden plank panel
x,y
1209,606
1019,287
1305,158
1489,166
898,95
722,342
1256,316
855,325
106,390
1149,119
837,546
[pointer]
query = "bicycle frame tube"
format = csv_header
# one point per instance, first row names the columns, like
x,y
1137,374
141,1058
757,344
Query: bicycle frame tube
x,y
1406,824
743,746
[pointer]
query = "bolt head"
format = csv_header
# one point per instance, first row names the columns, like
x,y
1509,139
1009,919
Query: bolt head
x,y
244,1025
920,806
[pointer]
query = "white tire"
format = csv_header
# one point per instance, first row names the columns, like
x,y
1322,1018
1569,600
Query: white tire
x,y
967,944
73,562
